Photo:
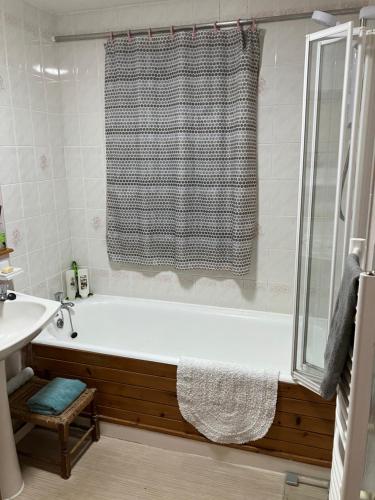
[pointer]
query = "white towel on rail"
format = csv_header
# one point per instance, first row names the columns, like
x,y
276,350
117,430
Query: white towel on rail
x,y
226,402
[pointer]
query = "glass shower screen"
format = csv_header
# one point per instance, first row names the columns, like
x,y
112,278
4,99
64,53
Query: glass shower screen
x,y
324,165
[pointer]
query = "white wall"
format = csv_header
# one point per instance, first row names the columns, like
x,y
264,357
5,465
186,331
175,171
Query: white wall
x,y
51,220
32,172
269,285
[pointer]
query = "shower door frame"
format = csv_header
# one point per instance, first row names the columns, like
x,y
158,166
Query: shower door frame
x,y
311,377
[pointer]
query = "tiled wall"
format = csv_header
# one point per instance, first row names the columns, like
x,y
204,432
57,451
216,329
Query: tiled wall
x,y
52,163
32,172
269,286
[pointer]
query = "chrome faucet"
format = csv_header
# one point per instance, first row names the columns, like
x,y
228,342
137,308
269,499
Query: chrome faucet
x,y
4,295
64,305
59,296
3,292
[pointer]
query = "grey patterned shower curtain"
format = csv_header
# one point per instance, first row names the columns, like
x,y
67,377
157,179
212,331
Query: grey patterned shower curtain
x,y
181,124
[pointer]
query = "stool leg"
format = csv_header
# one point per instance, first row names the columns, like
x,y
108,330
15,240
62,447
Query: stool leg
x,y
94,421
64,452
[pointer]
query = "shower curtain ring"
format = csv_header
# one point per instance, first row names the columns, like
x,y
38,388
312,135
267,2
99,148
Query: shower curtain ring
x,y
149,34
216,29
238,24
129,36
171,29
111,36
194,32
253,25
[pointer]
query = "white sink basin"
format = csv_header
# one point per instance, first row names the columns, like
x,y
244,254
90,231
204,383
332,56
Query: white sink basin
x,y
20,321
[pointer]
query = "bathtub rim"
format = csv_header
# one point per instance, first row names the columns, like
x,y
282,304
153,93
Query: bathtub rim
x,y
46,338
283,377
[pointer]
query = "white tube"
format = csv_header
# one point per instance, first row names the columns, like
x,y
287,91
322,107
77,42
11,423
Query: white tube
x,y
20,379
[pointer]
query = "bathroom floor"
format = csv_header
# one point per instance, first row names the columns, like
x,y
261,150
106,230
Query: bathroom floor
x,y
118,470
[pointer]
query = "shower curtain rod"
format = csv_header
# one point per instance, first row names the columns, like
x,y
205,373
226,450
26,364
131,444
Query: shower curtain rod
x,y
205,26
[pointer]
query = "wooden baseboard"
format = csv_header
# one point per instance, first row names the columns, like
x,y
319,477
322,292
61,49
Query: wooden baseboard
x,y
142,394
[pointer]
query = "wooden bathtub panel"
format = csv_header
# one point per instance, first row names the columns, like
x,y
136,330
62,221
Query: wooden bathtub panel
x,y
276,433
318,411
105,360
143,394
108,374
303,422
276,447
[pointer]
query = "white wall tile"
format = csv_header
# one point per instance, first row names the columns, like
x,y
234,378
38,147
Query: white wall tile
x,y
70,102
50,230
96,223
23,127
76,193
16,236
36,267
52,260
278,155
22,281
40,290
40,128
26,161
43,163
69,96
91,127
9,173
86,64
56,135
95,193
88,95
53,96
97,249
34,233
285,160
5,93
37,93
61,194
71,130
46,197
77,223
18,85
93,163
208,11
12,200
6,127
265,124
289,84
287,123
280,298
80,251
73,162
37,139
30,199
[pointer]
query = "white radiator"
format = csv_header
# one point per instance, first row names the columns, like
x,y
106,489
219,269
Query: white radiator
x,y
353,401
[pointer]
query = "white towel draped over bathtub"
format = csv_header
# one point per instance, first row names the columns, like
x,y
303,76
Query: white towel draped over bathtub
x,y
226,402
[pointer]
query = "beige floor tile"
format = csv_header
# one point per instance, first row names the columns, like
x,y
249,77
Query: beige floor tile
x,y
305,492
118,470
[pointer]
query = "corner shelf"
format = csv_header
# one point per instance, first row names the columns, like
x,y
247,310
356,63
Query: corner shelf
x,y
5,251
10,276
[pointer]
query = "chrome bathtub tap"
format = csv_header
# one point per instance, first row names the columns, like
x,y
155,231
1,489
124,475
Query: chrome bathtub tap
x,y
4,295
67,306
64,304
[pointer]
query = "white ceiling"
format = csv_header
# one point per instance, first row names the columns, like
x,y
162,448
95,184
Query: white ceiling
x,y
66,6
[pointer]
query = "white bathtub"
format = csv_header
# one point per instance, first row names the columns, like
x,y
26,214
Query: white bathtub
x,y
163,331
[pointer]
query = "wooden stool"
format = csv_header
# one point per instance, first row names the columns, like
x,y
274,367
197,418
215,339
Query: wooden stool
x,y
61,424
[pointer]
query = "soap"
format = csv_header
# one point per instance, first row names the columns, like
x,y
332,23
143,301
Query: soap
x,y
7,270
